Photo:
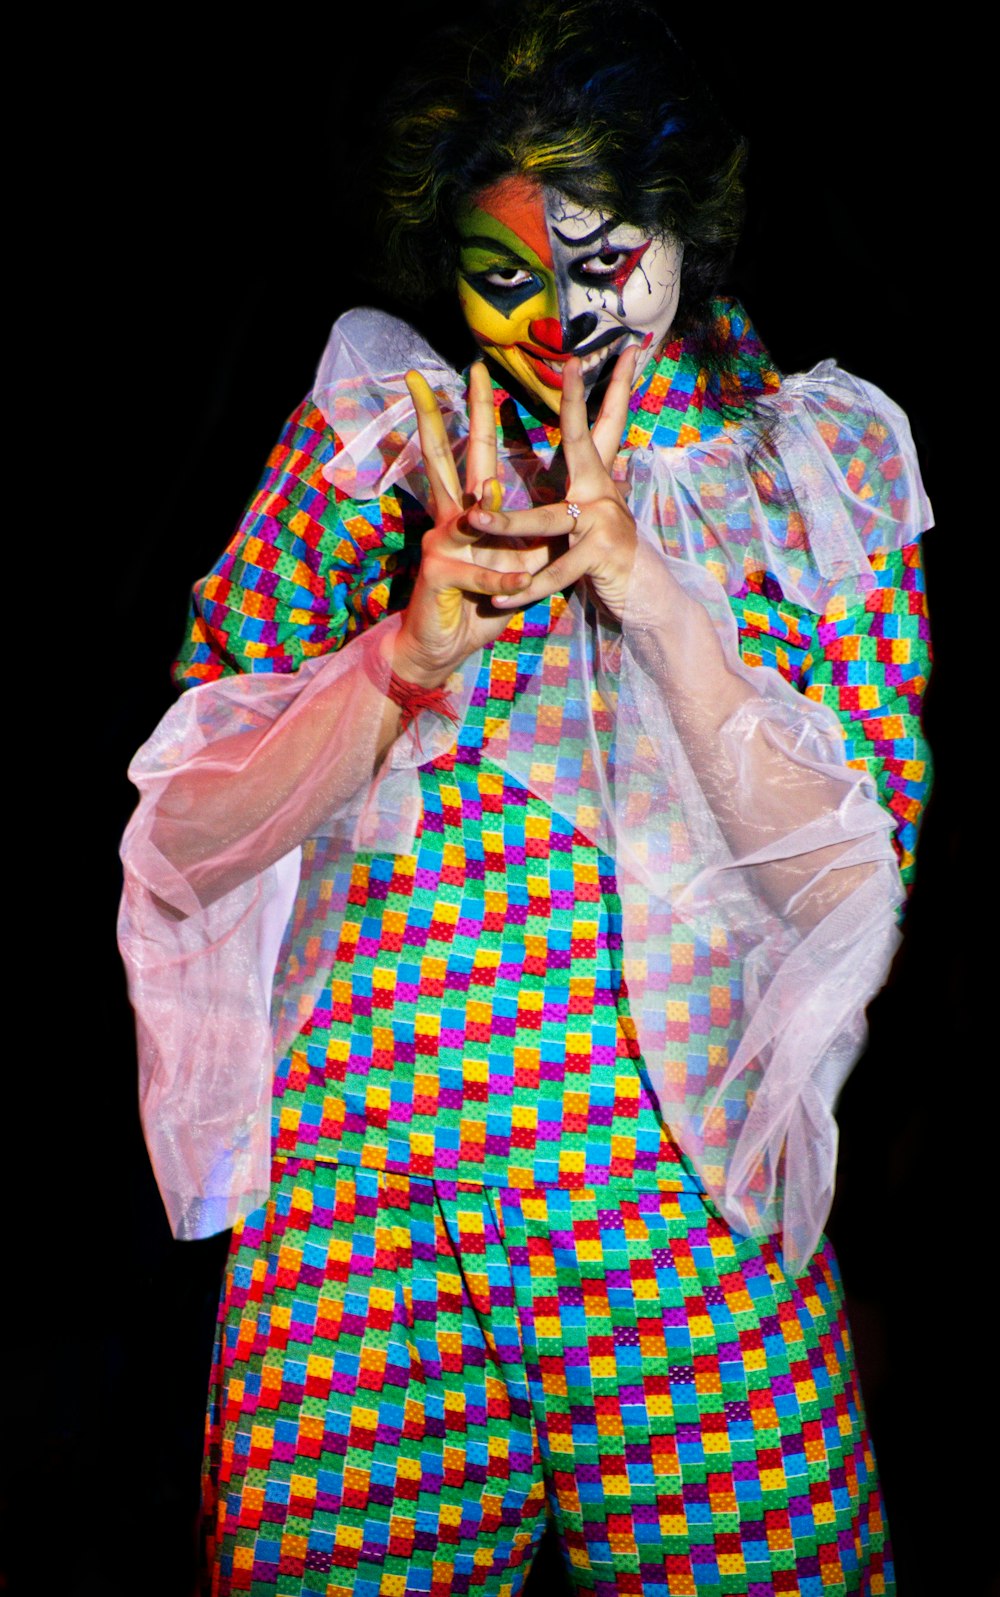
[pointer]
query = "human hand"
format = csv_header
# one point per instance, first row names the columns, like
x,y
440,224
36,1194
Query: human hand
x,y
461,567
601,535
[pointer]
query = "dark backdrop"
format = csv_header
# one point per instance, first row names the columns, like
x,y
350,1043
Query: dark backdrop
x,y
203,209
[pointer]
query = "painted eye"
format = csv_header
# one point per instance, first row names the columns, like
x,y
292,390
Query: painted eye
x,y
608,264
507,277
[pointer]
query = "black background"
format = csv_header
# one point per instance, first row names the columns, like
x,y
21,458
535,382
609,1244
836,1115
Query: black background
x,y
201,227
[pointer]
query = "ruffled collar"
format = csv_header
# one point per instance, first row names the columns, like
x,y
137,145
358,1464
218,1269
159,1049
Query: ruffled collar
x,y
703,383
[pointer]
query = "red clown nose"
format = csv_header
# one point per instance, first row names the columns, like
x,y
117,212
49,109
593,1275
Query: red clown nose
x,y
547,332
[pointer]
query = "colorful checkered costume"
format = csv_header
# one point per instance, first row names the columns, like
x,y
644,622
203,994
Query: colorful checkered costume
x,y
487,1284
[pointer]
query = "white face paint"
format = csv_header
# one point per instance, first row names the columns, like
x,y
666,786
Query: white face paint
x,y
542,278
617,284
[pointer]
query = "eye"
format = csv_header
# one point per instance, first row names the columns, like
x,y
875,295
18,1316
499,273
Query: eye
x,y
507,277
611,267
608,264
504,285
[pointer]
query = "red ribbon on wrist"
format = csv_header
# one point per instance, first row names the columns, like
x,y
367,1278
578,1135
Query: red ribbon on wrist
x,y
411,698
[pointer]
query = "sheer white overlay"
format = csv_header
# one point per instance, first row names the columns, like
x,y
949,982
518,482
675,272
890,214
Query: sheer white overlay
x,y
743,842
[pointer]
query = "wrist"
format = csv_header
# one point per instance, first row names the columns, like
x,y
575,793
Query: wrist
x,y
411,697
411,665
654,599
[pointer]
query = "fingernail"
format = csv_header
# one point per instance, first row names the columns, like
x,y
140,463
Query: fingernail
x,y
480,518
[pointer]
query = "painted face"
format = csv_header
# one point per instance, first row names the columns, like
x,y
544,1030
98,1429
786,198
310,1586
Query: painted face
x,y
541,278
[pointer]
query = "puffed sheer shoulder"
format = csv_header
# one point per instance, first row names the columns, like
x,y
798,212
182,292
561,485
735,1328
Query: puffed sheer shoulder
x,y
819,480
757,877
361,390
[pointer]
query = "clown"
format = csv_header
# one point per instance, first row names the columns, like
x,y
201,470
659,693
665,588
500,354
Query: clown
x,y
523,768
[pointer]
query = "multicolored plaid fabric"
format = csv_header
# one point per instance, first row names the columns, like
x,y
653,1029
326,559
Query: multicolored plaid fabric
x,y
408,1371
474,1025
304,570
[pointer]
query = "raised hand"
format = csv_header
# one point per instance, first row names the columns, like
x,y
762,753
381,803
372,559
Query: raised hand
x,y
461,568
602,535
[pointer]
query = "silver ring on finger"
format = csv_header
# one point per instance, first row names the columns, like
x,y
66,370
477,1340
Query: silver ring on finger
x,y
573,510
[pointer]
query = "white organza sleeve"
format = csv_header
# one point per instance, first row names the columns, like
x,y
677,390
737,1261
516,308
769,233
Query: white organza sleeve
x,y
756,873
758,880
238,774
759,889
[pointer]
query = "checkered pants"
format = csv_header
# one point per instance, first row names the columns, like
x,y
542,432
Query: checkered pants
x,y
410,1374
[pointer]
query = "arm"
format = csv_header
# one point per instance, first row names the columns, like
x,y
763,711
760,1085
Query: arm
x,y
789,812
281,738
254,769
307,569
253,796
782,804
755,870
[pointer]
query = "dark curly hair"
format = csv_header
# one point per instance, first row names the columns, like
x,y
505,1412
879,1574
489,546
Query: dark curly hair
x,y
594,98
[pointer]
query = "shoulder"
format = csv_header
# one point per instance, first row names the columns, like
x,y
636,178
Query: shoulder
x,y
814,483
327,542
842,450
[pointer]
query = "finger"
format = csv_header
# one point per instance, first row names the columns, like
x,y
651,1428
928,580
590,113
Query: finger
x,y
492,495
541,521
558,574
612,417
587,472
438,461
447,573
489,501
482,458
459,530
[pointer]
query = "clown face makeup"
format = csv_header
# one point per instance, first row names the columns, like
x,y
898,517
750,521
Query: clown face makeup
x,y
541,278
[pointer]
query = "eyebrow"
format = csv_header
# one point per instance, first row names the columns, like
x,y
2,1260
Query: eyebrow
x,y
600,231
497,245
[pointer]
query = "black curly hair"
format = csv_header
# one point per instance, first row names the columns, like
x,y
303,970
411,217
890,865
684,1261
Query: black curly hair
x,y
593,97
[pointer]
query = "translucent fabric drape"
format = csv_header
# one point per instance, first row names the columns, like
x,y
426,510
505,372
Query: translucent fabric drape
x,y
757,877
